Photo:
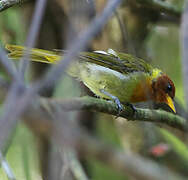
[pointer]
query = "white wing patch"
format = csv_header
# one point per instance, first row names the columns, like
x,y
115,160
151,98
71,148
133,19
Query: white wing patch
x,y
101,52
97,69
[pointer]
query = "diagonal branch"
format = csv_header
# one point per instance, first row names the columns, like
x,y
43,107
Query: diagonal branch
x,y
100,105
33,33
5,4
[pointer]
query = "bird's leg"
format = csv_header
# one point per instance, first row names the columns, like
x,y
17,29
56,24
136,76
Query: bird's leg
x,y
115,99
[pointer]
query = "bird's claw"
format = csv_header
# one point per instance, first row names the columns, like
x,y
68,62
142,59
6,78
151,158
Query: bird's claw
x,y
119,106
131,106
116,100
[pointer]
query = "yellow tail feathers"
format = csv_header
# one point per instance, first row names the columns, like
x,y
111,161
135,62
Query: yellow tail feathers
x,y
38,55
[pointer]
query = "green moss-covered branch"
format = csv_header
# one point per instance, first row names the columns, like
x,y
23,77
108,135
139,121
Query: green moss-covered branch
x,y
100,105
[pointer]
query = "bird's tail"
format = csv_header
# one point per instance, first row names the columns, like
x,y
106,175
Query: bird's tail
x,y
16,52
39,55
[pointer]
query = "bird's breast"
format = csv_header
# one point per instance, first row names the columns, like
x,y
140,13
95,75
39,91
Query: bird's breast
x,y
130,87
142,91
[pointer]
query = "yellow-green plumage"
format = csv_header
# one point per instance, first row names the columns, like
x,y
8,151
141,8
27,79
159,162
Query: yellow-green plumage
x,y
101,78
119,74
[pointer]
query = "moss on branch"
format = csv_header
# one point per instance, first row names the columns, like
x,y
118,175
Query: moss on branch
x,y
100,105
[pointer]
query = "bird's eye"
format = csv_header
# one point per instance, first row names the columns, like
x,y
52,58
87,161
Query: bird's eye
x,y
169,88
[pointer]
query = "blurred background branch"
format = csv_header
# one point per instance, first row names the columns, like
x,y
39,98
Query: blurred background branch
x,y
162,6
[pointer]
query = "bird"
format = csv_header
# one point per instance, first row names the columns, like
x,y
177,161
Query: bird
x,y
110,75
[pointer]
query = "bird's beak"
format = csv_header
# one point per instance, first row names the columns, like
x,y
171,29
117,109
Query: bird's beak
x,y
170,103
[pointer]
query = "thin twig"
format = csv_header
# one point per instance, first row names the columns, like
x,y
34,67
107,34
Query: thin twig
x,y
33,34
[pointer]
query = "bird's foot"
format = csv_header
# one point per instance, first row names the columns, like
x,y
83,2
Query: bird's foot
x,y
131,106
119,106
116,100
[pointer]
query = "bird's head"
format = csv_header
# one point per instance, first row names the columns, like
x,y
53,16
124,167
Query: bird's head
x,y
164,91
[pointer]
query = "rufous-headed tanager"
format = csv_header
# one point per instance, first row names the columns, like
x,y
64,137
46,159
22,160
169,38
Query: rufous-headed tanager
x,y
111,74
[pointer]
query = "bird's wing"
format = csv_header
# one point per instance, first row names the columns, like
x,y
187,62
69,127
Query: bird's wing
x,y
121,62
